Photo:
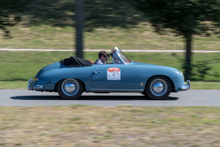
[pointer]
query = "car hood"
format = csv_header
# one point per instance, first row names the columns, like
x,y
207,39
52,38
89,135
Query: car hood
x,y
155,66
147,64
138,63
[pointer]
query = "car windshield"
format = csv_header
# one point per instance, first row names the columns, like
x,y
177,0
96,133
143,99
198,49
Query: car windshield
x,y
123,57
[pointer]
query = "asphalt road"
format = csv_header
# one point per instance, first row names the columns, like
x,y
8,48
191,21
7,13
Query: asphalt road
x,y
33,98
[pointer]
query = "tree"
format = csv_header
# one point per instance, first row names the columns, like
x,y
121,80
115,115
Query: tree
x,y
186,18
9,13
79,28
97,13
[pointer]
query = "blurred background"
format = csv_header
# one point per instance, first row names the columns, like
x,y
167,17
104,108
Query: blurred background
x,y
107,23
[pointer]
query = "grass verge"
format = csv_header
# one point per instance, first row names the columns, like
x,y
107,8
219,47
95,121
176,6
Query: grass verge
x,y
18,67
142,36
110,126
194,85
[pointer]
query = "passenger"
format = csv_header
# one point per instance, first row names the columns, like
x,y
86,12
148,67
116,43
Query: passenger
x,y
103,56
116,60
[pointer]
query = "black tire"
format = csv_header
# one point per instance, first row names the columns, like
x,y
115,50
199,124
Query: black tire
x,y
158,88
70,89
144,93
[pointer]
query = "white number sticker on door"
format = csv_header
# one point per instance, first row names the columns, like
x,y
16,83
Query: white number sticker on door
x,y
113,73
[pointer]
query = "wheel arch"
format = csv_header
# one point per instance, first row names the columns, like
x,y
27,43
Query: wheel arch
x,y
171,82
55,88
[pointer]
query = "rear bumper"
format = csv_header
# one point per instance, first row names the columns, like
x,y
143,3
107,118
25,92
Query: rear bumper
x,y
185,87
31,85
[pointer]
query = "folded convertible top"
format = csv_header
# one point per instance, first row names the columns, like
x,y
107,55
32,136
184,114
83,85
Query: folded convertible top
x,y
75,62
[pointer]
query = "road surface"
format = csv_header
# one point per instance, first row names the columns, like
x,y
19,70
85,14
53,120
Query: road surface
x,y
33,98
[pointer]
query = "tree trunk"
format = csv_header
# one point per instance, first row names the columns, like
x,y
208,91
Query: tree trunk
x,y
188,56
79,28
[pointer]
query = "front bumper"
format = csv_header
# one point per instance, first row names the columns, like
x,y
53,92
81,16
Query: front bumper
x,y
31,86
185,87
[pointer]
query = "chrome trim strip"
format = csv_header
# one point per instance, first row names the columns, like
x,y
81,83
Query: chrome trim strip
x,y
188,83
29,83
33,87
36,87
187,86
116,90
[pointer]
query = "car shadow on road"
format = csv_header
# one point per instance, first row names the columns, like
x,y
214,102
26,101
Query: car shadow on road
x,y
90,98
34,97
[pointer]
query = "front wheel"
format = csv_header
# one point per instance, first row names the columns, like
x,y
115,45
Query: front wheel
x,y
70,89
158,88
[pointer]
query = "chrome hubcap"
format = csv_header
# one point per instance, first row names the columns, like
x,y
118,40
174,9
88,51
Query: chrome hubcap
x,y
70,87
158,87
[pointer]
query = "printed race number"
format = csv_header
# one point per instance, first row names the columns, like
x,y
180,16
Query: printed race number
x,y
113,73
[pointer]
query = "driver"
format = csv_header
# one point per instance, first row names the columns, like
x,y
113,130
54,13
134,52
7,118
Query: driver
x,y
103,56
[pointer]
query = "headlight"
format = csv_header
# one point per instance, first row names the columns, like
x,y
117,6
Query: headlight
x,y
182,75
35,80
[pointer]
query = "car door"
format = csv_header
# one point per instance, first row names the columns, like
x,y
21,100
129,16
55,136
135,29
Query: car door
x,y
114,76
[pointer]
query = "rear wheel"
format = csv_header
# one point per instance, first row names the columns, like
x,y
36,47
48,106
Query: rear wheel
x,y
70,89
158,88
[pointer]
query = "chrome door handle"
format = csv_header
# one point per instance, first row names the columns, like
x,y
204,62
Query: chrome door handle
x,y
96,71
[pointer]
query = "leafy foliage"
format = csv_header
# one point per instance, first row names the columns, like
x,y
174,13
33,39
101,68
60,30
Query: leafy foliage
x,y
97,13
185,18
201,68
10,13
182,17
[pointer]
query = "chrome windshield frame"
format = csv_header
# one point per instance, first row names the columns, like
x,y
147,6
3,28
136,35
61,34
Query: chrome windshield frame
x,y
119,56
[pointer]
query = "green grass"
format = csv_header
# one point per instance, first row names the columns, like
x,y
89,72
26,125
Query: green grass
x,y
141,36
116,126
23,85
107,24
205,85
18,67
13,84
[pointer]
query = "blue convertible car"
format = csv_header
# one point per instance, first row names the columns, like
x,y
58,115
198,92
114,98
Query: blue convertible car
x,y
72,76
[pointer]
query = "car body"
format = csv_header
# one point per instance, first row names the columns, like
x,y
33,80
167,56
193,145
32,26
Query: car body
x,y
119,75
